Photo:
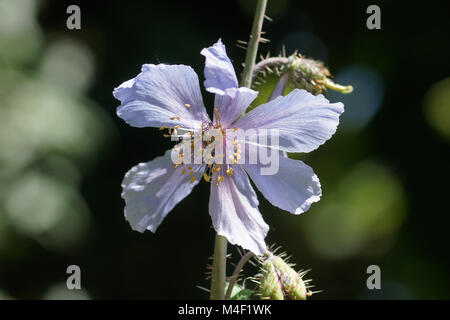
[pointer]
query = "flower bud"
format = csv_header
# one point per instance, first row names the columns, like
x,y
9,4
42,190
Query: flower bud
x,y
312,75
302,73
280,282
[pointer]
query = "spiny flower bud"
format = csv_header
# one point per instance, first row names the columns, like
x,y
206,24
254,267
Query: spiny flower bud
x,y
278,281
312,75
270,286
303,73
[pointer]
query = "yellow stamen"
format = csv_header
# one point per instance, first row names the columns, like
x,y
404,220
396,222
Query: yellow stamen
x,y
206,177
230,171
187,105
219,180
162,128
193,179
183,171
177,126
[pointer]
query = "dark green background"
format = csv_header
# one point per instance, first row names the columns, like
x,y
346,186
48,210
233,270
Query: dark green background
x,y
410,54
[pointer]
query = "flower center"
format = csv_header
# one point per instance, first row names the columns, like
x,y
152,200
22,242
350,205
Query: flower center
x,y
207,146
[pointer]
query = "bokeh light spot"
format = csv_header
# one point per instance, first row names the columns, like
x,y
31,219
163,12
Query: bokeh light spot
x,y
368,205
46,209
437,107
363,103
68,63
20,34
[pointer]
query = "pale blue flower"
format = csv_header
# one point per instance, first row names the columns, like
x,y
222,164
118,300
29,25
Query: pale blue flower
x,y
169,96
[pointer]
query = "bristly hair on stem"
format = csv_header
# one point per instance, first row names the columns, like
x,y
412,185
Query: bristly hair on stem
x,y
252,48
234,277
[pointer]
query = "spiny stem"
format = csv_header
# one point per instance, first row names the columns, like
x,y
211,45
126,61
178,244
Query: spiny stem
x,y
219,268
236,273
268,63
252,49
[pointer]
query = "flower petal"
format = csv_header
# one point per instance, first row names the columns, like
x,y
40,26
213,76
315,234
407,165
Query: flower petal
x,y
233,103
152,189
304,121
124,92
219,71
234,211
159,95
294,188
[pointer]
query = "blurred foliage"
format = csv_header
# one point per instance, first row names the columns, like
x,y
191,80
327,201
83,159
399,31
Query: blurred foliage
x,y
63,151
50,132
59,292
437,107
20,34
367,206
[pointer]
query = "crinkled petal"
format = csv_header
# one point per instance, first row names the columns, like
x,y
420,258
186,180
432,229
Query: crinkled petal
x,y
233,103
124,93
304,121
293,188
162,95
234,211
152,189
219,71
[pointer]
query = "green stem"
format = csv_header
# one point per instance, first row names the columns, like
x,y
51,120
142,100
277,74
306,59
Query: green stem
x,y
236,273
219,268
252,49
